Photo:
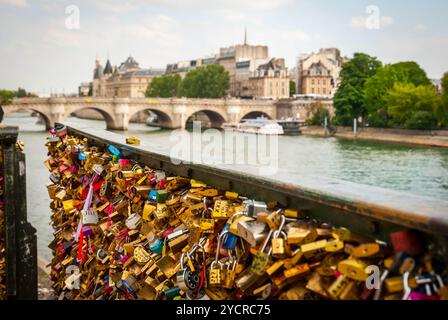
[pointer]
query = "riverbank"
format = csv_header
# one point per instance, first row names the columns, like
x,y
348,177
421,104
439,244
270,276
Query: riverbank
x,y
44,289
436,138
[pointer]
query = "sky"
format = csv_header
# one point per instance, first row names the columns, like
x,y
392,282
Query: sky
x,y
51,45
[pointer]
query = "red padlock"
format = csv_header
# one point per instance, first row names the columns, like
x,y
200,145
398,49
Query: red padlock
x,y
406,241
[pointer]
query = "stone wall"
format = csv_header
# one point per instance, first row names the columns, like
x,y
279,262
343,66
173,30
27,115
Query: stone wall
x,y
436,138
95,115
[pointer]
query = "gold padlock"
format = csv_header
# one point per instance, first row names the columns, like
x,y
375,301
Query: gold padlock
x,y
353,269
221,209
301,236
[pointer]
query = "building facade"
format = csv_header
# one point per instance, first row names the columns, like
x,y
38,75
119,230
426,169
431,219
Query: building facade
x,y
183,67
318,73
269,81
240,61
126,81
84,89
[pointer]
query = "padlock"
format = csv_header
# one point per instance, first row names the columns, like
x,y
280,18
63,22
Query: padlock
x,y
230,273
229,240
314,250
216,274
301,235
353,269
296,271
366,250
279,249
275,219
261,260
253,232
221,209
251,208
186,279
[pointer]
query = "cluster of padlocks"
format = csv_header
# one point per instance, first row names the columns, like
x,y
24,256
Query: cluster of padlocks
x,y
126,231
2,234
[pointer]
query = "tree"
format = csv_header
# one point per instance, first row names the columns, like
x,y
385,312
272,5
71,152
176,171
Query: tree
x,y
319,113
211,81
292,88
413,107
166,86
377,87
21,93
349,98
442,110
6,96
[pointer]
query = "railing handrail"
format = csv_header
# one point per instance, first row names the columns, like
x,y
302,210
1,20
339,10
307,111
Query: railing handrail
x,y
374,210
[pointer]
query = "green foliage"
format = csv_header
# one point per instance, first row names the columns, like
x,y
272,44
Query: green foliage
x,y
164,87
421,120
411,106
292,88
378,86
21,93
349,99
211,81
319,112
90,93
445,85
442,110
6,96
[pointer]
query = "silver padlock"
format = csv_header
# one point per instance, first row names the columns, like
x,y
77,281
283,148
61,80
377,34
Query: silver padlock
x,y
251,207
254,232
187,280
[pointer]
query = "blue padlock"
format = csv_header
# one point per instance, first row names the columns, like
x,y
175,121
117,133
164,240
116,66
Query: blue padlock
x,y
152,196
157,247
129,287
171,292
229,239
82,156
114,151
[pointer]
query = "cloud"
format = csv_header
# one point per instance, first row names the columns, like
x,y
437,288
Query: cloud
x,y
421,27
116,7
364,22
15,3
160,30
223,4
296,35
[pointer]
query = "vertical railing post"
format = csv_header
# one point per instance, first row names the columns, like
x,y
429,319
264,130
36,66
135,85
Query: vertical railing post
x,y
21,242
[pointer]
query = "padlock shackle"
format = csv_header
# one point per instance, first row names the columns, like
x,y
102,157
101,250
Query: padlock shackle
x,y
218,245
267,240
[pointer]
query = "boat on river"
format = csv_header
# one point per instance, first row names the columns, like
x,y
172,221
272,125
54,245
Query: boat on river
x,y
256,126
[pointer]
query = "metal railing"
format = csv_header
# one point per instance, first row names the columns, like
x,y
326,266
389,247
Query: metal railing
x,y
21,240
366,210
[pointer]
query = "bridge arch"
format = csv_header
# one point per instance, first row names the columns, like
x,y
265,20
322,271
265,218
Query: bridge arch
x,y
216,118
26,109
254,115
106,114
165,120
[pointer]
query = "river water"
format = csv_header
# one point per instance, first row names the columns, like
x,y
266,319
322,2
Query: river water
x,y
416,170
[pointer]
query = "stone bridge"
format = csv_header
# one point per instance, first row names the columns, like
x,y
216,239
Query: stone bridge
x,y
172,113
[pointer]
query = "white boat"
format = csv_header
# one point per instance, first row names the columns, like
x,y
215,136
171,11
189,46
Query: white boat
x,y
256,126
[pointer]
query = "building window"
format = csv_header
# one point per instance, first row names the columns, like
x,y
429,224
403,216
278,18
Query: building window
x,y
324,90
312,90
312,81
324,82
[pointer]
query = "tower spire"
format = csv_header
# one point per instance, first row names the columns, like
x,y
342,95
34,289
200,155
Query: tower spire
x,y
245,35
